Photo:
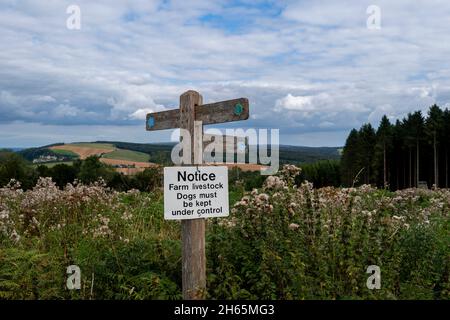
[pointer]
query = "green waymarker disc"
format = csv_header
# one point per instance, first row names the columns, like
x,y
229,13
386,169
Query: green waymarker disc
x,y
238,109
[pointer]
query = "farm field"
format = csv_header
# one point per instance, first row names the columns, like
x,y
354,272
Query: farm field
x,y
84,150
121,154
242,166
52,164
280,242
115,156
109,155
65,153
95,145
128,163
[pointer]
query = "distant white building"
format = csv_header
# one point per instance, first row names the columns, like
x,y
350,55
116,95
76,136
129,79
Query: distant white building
x,y
47,158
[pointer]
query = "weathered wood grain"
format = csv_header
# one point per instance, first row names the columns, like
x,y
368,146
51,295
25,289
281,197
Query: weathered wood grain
x,y
191,116
211,113
192,231
221,112
164,120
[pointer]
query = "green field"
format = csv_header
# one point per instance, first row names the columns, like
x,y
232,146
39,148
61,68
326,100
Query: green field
x,y
66,153
105,146
51,164
121,154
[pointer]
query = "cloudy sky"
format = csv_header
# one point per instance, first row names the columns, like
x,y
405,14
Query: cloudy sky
x,y
312,69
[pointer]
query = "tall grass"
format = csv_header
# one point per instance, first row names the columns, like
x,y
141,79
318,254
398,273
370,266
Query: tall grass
x,y
280,242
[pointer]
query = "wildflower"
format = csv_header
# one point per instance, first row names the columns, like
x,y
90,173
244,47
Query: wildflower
x,y
15,236
127,216
274,182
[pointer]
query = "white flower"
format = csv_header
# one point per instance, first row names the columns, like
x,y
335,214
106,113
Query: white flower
x,y
15,236
293,226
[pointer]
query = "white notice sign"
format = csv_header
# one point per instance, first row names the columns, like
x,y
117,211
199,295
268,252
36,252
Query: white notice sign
x,y
195,192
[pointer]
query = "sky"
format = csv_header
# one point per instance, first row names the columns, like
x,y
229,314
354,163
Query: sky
x,y
312,69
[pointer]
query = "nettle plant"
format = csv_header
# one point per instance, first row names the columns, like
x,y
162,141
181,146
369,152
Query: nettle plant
x,y
289,241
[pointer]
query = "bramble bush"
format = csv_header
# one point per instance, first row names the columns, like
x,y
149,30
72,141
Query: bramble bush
x,y
281,241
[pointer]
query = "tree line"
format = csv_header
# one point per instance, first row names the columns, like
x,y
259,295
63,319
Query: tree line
x,y
409,153
14,166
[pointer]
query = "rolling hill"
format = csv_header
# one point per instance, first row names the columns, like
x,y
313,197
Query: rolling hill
x,y
142,155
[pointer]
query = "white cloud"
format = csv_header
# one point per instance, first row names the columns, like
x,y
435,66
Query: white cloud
x,y
295,103
140,114
313,64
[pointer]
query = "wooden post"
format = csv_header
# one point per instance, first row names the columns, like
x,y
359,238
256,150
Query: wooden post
x,y
191,116
193,231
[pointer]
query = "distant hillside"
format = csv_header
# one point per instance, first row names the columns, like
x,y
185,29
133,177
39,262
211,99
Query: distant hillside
x,y
11,149
298,154
31,154
160,152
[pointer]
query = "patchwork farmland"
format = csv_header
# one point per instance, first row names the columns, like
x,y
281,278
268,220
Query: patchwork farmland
x,y
125,161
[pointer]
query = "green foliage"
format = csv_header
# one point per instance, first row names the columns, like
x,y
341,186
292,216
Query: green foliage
x,y
244,180
92,170
148,180
34,153
13,166
281,241
321,174
29,274
63,174
286,243
401,154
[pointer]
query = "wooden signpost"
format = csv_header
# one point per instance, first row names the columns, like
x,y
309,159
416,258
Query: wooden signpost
x,y
191,116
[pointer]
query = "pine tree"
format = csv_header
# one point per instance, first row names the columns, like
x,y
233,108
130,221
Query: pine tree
x,y
383,146
434,125
417,130
397,155
446,139
367,141
349,154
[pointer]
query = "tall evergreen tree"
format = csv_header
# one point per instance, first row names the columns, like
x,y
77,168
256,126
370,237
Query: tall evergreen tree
x,y
417,130
400,155
446,140
349,155
367,140
434,125
382,148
